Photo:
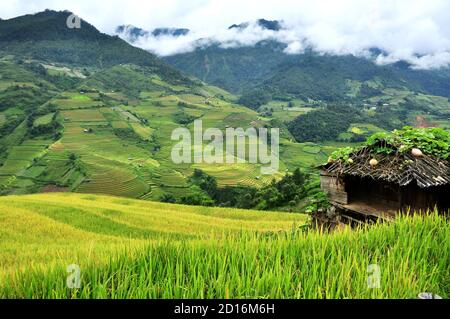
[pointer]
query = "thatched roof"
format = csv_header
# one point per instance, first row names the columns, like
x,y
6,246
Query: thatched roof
x,y
401,168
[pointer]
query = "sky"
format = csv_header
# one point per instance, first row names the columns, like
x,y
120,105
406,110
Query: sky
x,y
417,31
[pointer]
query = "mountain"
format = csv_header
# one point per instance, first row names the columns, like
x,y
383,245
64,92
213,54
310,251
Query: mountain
x,y
272,25
234,69
73,124
45,36
133,34
322,97
170,32
73,120
307,76
249,70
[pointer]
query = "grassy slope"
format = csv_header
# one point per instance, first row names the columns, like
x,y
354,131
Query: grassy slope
x,y
44,228
131,249
131,98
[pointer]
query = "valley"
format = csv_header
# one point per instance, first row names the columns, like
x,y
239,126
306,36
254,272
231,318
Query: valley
x,y
78,126
106,133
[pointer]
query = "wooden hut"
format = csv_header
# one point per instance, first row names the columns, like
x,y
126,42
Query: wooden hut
x,y
370,185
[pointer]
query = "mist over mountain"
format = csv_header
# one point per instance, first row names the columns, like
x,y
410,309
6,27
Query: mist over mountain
x,y
46,36
133,34
407,44
263,23
265,67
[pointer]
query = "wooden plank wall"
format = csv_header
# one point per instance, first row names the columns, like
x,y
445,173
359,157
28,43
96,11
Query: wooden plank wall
x,y
334,187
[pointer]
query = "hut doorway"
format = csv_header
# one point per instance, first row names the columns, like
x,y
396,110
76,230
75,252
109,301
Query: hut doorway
x,y
372,196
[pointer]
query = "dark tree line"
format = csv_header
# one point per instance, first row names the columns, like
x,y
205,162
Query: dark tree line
x,y
287,192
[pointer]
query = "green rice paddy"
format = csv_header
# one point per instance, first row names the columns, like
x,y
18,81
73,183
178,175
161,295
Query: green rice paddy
x,y
133,249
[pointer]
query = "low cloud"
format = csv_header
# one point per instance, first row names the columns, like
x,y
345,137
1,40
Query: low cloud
x,y
415,31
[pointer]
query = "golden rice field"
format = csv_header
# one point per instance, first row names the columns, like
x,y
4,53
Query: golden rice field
x,y
134,249
37,229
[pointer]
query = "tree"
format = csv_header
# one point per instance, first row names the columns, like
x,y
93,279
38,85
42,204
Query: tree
x,y
167,198
299,177
72,157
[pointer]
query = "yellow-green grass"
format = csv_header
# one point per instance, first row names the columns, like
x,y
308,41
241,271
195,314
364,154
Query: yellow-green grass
x,y
71,100
287,115
244,174
169,177
44,120
119,124
176,88
301,155
63,71
91,115
111,177
143,131
134,249
215,91
360,128
13,111
20,157
41,230
125,115
151,95
281,111
6,84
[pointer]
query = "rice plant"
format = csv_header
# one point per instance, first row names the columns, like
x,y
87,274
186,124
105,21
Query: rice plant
x,y
390,260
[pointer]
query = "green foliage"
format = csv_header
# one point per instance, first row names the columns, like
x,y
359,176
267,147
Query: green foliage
x,y
316,202
206,182
167,198
23,97
323,124
197,199
255,98
183,118
431,141
286,192
342,153
128,134
234,69
10,126
128,79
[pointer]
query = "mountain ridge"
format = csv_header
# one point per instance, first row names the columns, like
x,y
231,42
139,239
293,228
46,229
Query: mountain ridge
x,y
52,40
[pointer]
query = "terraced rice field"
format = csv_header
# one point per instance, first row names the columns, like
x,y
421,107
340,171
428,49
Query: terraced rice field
x,y
107,177
67,228
237,174
133,249
88,115
144,132
119,124
20,157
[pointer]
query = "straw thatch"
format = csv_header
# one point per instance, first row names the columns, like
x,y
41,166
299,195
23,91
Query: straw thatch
x,y
397,167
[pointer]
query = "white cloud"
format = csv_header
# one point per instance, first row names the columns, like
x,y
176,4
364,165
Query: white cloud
x,y
416,31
